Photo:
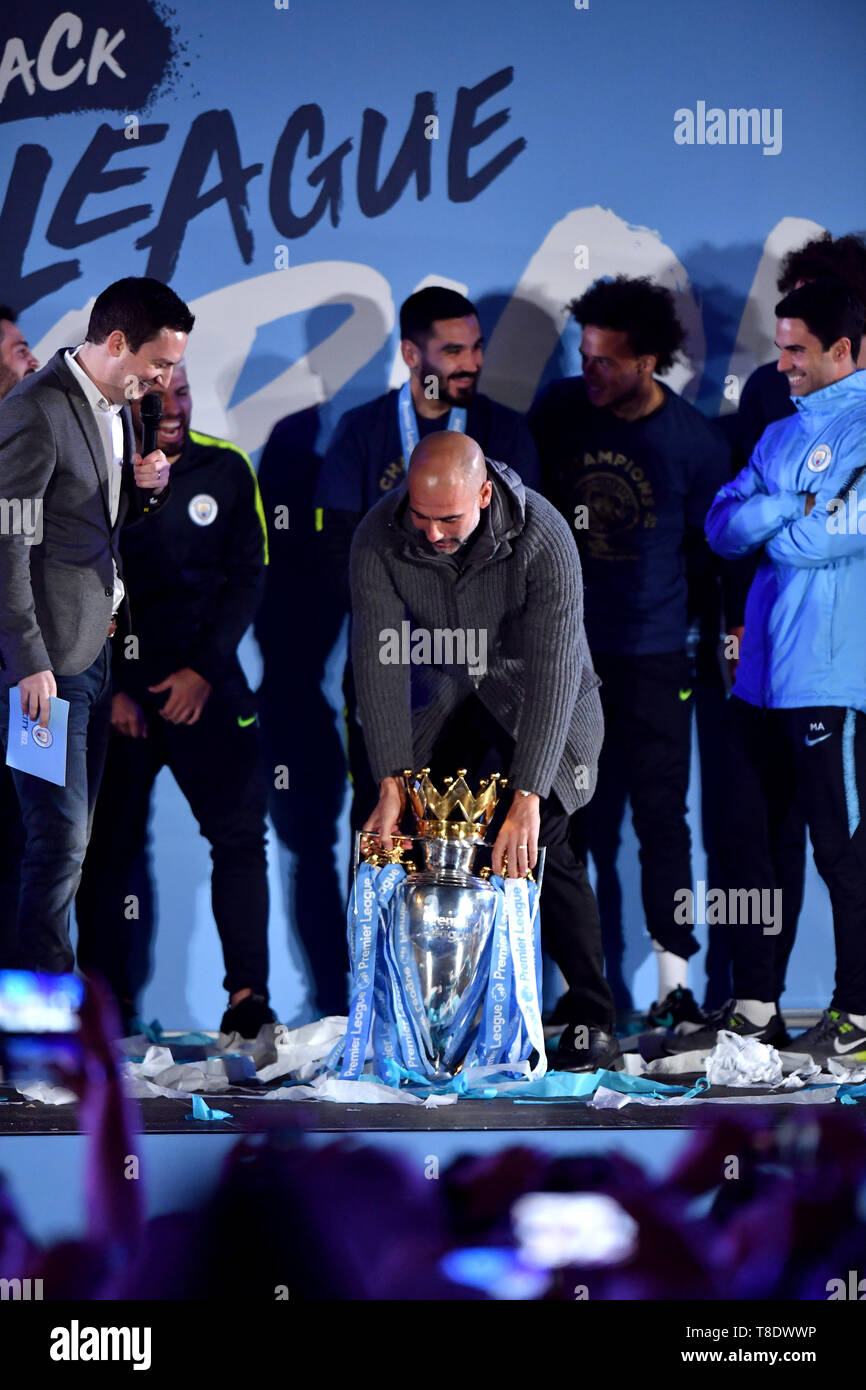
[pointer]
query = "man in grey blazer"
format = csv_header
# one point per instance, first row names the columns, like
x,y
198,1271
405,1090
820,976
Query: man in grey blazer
x,y
71,477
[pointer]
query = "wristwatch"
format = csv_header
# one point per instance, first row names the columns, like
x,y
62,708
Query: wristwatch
x,y
519,792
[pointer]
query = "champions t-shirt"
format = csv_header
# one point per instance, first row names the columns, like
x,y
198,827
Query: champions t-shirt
x,y
635,494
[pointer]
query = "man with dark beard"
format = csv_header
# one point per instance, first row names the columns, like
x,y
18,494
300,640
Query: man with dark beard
x,y
16,359
441,344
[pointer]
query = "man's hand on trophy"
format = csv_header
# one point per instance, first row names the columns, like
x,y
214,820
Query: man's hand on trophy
x,y
385,820
518,839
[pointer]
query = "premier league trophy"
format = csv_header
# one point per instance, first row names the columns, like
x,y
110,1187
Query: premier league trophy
x,y
448,912
445,962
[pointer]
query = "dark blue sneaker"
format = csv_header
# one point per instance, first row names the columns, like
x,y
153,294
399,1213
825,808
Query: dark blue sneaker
x,y
678,1006
728,1020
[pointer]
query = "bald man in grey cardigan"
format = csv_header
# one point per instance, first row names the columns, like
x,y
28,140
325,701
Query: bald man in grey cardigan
x,y
469,650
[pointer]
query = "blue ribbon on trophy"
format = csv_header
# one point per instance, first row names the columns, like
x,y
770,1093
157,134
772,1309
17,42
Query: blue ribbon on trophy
x,y
368,907
446,966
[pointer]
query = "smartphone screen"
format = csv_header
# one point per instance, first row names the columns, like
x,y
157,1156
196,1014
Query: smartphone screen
x,y
39,1024
34,1003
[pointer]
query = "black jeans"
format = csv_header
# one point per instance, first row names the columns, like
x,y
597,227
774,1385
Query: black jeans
x,y
786,766
11,854
570,930
216,764
647,704
365,790
57,820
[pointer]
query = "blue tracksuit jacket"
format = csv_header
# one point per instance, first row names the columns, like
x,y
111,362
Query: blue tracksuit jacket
x,y
805,623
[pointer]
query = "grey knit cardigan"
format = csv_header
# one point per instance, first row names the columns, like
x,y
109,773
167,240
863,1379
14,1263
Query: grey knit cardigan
x,y
519,588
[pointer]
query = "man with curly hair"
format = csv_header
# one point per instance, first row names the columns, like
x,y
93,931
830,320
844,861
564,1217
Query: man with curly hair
x,y
634,468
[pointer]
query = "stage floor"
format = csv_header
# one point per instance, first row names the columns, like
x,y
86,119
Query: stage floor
x,y
252,1115
252,1111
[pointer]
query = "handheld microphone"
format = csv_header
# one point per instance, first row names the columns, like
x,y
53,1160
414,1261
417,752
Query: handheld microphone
x,y
151,414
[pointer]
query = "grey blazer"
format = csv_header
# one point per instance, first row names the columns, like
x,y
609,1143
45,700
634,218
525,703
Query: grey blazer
x,y
57,582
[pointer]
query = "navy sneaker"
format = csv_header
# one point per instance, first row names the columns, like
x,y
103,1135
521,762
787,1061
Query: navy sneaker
x,y
729,1020
248,1016
834,1035
583,1047
678,1006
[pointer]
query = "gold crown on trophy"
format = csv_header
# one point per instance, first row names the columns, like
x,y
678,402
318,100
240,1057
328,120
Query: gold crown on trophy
x,y
453,814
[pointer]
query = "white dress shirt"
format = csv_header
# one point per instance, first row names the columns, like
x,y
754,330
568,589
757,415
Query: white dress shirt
x,y
110,426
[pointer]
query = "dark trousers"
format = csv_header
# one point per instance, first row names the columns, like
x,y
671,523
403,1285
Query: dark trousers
x,y
711,724
57,820
787,766
365,789
647,704
11,854
570,931
216,764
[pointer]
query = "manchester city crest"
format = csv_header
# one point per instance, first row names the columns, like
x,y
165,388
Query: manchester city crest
x,y
819,459
203,509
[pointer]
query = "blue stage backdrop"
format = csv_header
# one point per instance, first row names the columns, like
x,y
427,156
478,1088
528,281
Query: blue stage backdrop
x,y
295,168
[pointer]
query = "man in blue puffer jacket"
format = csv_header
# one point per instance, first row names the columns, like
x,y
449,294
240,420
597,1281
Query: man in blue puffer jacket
x,y
803,663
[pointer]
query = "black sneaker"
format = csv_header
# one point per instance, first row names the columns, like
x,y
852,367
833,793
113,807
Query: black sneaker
x,y
728,1020
248,1016
678,1006
834,1035
584,1048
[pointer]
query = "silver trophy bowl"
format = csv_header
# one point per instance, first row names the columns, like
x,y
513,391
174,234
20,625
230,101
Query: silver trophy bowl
x,y
450,915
